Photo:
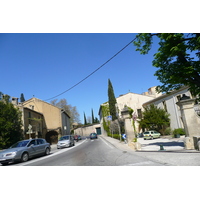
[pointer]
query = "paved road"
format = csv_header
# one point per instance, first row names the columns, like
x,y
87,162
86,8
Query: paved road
x,y
97,152
106,151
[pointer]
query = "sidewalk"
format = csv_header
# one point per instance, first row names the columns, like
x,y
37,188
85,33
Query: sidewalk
x,y
116,143
169,144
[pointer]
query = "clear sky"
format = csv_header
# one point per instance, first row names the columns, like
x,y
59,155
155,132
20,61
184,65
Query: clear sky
x,y
47,64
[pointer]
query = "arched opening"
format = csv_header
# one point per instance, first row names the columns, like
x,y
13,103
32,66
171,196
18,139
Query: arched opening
x,y
52,137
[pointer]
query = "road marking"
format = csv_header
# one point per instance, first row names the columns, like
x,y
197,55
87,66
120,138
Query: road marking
x,y
52,154
107,143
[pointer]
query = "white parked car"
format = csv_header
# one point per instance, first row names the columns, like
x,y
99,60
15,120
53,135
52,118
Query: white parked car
x,y
65,141
151,135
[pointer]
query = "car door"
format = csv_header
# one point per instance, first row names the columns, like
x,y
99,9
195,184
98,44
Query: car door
x,y
156,135
40,146
32,148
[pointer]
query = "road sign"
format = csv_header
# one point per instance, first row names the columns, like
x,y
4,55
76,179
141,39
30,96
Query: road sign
x,y
109,117
124,136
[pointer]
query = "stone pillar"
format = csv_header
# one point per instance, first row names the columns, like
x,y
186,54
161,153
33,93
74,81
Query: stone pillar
x,y
128,125
191,121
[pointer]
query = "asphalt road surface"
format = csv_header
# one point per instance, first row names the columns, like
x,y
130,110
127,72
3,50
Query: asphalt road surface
x,y
97,152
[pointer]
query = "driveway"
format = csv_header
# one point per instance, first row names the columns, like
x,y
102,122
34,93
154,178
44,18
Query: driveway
x,y
167,142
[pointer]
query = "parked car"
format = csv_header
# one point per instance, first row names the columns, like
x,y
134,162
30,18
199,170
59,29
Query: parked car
x,y
140,135
93,136
25,149
65,141
151,135
77,137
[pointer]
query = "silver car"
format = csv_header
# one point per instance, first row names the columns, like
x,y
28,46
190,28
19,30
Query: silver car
x,y
65,141
25,149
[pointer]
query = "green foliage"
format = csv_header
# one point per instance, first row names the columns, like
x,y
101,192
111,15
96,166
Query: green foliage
x,y
10,124
22,99
154,118
168,131
177,59
135,139
106,125
92,117
178,131
96,120
112,101
130,110
116,136
85,120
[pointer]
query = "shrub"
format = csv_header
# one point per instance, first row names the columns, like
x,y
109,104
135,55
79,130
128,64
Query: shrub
x,y
116,136
179,131
168,131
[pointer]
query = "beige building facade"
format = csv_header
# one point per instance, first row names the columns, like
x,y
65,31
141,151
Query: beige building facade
x,y
134,101
52,122
86,130
168,102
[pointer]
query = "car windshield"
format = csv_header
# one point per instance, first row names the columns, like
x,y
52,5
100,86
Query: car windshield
x,y
64,138
20,144
146,132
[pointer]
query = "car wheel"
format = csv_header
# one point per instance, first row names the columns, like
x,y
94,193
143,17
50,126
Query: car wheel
x,y
24,157
47,151
144,138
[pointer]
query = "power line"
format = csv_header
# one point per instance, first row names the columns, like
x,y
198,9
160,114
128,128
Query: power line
x,y
93,71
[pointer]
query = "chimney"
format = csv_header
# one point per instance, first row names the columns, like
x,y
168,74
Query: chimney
x,y
15,100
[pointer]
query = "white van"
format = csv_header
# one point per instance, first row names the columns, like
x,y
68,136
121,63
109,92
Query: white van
x,y
65,141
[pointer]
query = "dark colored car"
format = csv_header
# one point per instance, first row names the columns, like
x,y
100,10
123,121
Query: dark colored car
x,y
93,136
77,137
25,149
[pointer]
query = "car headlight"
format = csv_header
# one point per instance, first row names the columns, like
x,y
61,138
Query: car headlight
x,y
10,154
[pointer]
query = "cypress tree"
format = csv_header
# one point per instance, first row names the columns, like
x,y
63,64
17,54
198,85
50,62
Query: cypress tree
x,y
85,120
22,99
111,100
93,121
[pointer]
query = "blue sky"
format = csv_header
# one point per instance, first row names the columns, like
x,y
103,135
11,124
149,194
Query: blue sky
x,y
47,64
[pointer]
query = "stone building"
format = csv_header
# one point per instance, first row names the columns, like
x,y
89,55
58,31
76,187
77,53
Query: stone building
x,y
135,102
168,102
50,121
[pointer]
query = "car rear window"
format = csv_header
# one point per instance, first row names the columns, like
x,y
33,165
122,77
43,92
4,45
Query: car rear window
x,y
64,138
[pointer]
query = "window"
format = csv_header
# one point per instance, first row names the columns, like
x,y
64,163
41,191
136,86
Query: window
x,y
40,141
32,142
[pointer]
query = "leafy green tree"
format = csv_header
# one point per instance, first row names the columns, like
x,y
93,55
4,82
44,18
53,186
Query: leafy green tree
x,y
154,118
96,120
112,101
22,99
10,123
177,59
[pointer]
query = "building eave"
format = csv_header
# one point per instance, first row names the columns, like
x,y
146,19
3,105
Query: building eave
x,y
164,96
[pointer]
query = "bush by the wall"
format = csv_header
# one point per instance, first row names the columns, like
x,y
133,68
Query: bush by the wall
x,y
168,131
178,131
